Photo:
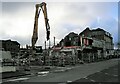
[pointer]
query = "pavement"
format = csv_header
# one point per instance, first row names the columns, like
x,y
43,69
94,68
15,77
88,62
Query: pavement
x,y
12,74
34,71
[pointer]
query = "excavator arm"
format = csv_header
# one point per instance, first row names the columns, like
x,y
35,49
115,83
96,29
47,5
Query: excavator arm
x,y
35,31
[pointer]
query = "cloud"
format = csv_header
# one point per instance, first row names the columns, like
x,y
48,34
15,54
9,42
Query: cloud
x,y
64,17
59,1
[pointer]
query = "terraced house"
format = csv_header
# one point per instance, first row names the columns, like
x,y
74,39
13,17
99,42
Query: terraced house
x,y
89,45
96,44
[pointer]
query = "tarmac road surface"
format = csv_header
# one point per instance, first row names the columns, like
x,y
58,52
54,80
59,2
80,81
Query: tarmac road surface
x,y
107,75
103,71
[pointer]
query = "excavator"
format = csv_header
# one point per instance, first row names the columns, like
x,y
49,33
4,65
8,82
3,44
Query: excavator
x,y
39,7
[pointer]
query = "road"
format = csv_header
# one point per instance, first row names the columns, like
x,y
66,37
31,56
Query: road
x,y
93,72
106,75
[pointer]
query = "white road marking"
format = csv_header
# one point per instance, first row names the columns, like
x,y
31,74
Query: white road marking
x,y
85,77
59,70
92,80
98,71
44,72
106,73
69,81
69,68
61,83
43,75
30,75
111,74
89,79
115,75
18,79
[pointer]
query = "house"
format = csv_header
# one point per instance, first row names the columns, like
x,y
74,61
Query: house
x,y
12,46
90,45
70,40
95,44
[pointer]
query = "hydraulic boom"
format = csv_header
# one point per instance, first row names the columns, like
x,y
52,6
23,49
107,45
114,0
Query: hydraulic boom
x,y
40,7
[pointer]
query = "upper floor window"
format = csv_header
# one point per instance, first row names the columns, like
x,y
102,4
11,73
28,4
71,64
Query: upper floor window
x,y
70,39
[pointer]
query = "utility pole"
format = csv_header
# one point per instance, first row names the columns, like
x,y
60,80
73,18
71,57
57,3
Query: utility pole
x,y
54,41
48,54
49,43
45,45
44,54
18,61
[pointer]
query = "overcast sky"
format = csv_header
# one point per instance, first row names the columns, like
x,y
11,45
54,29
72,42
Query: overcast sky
x,y
64,17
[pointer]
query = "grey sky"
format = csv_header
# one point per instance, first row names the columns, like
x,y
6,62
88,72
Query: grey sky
x,y
64,17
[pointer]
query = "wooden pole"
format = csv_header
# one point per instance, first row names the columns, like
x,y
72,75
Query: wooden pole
x,y
45,45
49,43
54,41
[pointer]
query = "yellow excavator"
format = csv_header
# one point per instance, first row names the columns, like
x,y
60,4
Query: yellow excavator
x,y
40,7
